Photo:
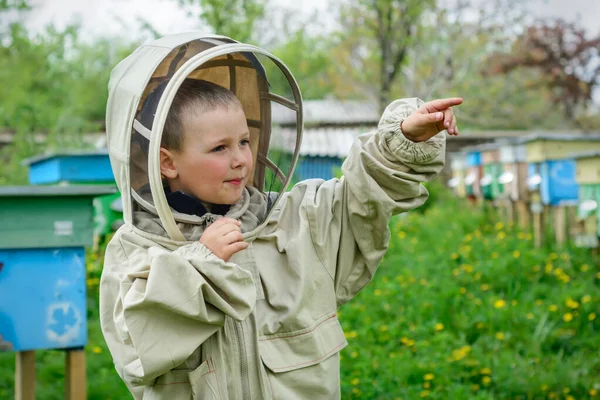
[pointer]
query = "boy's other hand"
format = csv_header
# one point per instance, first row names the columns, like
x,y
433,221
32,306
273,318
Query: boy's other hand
x,y
224,238
430,119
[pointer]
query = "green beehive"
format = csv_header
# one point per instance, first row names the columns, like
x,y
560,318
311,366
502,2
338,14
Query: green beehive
x,y
491,187
587,174
48,216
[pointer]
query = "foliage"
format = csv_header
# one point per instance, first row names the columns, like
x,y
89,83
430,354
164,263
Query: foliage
x,y
460,308
566,58
236,19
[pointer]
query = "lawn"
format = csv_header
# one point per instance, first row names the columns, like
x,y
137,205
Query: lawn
x,y
462,307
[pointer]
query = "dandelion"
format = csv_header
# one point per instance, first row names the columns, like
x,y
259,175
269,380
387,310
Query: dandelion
x,y
377,292
485,287
354,354
529,316
467,268
454,256
383,328
592,316
584,268
568,317
516,254
499,226
439,327
485,371
424,393
474,388
463,290
427,385
544,388
356,391
539,302
495,255
480,325
548,268
572,303
586,299
97,349
468,237
455,272
566,390
401,234
429,377
499,303
486,380
553,256
593,392
598,275
553,308
500,335
355,381
501,235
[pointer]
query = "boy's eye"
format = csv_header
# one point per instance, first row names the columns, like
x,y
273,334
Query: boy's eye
x,y
245,142
218,148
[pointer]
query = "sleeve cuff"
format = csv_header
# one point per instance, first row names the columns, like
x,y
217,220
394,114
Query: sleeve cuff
x,y
398,144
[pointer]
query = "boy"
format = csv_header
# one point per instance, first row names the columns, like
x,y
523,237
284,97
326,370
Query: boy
x,y
243,309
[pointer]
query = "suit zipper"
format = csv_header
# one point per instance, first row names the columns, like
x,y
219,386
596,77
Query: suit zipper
x,y
243,361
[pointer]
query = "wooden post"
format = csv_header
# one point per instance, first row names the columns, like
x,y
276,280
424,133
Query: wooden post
x,y
25,375
572,221
75,375
524,215
538,224
560,225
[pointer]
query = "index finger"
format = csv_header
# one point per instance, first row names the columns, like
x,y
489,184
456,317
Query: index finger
x,y
224,220
442,104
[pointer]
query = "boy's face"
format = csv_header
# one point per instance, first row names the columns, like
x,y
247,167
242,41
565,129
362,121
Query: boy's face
x,y
215,161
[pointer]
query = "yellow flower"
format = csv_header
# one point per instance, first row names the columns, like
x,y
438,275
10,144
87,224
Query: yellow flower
x,y
516,254
355,381
500,335
97,349
383,328
463,290
586,299
572,304
468,237
495,255
485,371
455,272
454,256
424,393
539,302
480,325
568,317
467,268
486,380
427,385
569,398
592,316
529,316
354,354
593,392
499,303
401,234
553,256
474,388
356,391
429,377
377,292
544,388
548,268
553,308
584,268
598,275
501,235
485,287
499,226
566,390
439,326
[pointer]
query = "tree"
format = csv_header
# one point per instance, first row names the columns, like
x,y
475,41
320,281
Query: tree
x,y
234,18
380,34
566,58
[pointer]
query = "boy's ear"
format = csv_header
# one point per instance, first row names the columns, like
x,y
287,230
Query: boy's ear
x,y
167,164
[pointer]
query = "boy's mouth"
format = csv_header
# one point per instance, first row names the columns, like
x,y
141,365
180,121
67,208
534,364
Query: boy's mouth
x,y
237,181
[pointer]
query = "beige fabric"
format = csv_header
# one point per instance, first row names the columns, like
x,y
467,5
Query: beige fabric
x,y
181,323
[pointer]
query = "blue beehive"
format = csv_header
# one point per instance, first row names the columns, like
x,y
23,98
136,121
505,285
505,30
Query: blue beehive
x,y
42,269
72,167
551,169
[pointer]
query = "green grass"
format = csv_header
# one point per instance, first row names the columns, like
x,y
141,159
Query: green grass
x,y
462,307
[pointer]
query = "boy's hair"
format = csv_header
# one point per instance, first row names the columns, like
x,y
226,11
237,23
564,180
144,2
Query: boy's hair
x,y
194,96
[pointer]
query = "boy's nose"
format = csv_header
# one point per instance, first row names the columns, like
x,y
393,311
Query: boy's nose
x,y
238,159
